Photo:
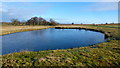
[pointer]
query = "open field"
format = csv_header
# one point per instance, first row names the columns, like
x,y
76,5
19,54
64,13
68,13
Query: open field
x,y
103,54
13,29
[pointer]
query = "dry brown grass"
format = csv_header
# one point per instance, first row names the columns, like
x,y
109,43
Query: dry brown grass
x,y
13,29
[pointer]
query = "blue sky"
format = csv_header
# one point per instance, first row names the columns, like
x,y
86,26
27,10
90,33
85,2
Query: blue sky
x,y
60,0
62,12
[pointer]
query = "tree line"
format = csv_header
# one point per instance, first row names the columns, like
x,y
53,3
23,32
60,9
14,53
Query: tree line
x,y
34,21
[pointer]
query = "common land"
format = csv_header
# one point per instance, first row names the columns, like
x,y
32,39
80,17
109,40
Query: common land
x,y
103,54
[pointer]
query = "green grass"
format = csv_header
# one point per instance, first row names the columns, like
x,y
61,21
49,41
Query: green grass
x,y
107,26
103,54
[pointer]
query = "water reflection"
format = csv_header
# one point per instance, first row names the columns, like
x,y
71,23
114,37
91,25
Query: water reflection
x,y
50,39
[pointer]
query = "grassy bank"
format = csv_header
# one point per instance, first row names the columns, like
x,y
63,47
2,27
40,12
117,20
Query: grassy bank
x,y
113,32
104,54
13,29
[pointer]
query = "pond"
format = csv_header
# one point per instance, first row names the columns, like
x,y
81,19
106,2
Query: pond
x,y
47,39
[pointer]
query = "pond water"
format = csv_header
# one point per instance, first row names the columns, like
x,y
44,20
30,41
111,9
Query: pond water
x,y
47,39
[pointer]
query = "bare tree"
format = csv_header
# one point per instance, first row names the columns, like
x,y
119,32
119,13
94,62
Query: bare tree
x,y
15,21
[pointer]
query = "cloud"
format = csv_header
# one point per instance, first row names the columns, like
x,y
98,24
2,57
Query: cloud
x,y
1,8
101,6
22,13
20,10
60,0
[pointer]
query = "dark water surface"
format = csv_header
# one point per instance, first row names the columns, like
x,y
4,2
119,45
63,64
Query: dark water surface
x,y
49,39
